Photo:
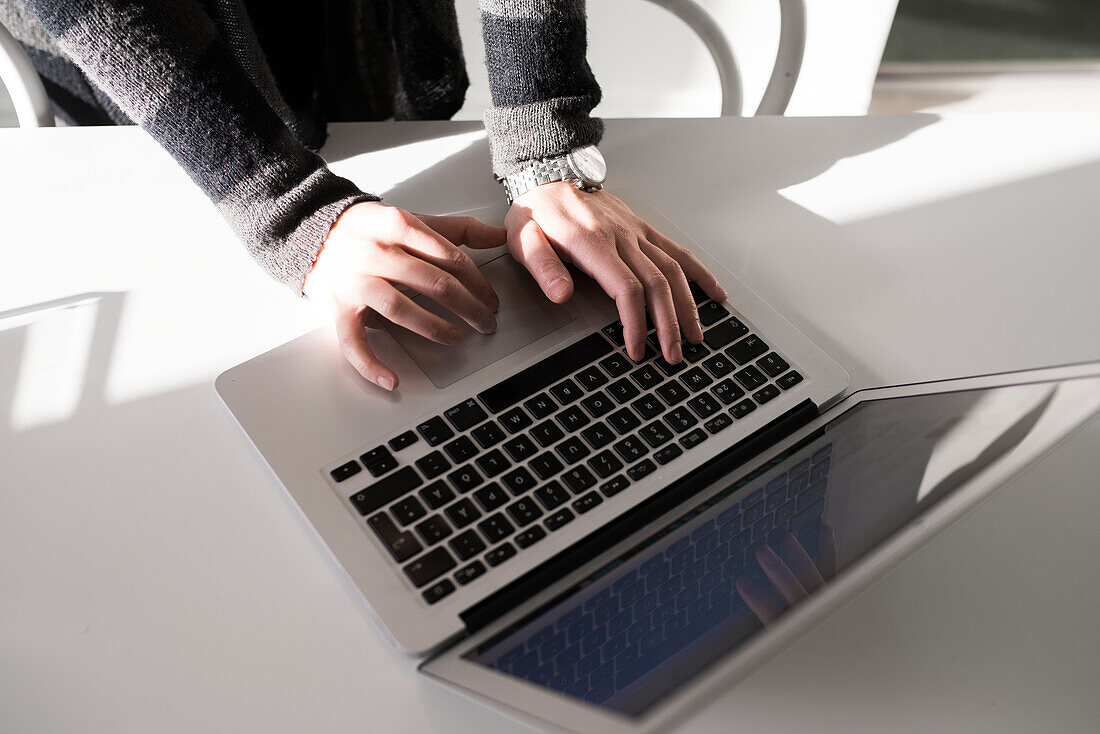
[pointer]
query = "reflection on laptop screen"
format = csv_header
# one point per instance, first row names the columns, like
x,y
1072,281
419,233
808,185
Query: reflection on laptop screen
x,y
757,544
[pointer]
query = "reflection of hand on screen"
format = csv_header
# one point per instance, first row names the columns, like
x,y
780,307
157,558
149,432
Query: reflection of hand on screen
x,y
792,573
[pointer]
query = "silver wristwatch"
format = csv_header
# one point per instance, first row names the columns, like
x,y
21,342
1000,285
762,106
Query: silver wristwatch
x,y
584,166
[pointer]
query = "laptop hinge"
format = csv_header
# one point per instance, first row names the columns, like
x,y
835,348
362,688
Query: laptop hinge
x,y
538,579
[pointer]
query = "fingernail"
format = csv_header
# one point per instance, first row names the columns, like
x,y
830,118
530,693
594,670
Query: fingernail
x,y
723,292
558,288
385,381
676,352
488,324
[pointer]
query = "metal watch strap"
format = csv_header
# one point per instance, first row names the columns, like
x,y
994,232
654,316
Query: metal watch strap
x,y
537,173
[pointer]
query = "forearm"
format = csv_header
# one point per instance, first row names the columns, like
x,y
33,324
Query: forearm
x,y
543,90
164,63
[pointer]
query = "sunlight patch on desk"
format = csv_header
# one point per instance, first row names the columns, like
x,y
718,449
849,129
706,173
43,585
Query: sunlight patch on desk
x,y
403,162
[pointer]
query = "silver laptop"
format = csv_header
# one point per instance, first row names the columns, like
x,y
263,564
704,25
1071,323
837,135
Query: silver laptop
x,y
574,535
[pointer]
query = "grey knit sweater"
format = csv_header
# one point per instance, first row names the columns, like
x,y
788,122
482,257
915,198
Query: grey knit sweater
x,y
238,91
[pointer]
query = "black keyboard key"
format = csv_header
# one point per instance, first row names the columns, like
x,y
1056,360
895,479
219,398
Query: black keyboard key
x,y
718,423
435,431
648,407
647,376
467,545
432,465
376,454
766,393
680,419
541,406
649,354
566,392
462,513
493,463
551,495
403,441
742,409
697,292
719,365
385,491
587,502
773,364
711,312
401,544
524,511
641,469
598,435
559,518
573,419
616,365
672,392
408,510
696,436
346,471
381,466
544,373
578,479
530,536
520,448
496,528
655,434
465,478
465,415
605,464
703,405
518,480
631,449
751,378
515,420
547,433
719,336
490,497
497,556
668,453
696,379
597,404
438,590
437,494
488,434
591,378
434,529
572,450
694,352
429,566
466,574
727,391
789,380
614,332
612,487
747,349
546,465
667,368
622,390
461,449
623,421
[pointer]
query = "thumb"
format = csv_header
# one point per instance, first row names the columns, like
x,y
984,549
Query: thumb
x,y
466,231
529,245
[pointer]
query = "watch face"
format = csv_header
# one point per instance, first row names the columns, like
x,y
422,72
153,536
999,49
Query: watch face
x,y
588,162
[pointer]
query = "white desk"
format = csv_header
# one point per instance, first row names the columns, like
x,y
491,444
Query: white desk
x,y
154,578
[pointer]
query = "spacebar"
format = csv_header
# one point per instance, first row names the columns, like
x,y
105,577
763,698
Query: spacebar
x,y
545,373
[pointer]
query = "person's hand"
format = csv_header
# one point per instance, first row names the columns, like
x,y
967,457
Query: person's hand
x,y
374,247
792,574
634,263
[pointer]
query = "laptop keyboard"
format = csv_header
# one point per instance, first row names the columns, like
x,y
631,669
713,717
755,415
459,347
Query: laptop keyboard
x,y
667,599
525,457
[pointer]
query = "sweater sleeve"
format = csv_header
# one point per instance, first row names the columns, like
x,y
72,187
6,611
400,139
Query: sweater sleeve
x,y
164,63
543,90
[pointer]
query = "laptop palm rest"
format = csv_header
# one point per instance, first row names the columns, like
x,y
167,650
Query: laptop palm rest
x,y
525,316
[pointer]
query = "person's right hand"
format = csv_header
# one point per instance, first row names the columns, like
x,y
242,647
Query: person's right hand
x,y
372,248
792,573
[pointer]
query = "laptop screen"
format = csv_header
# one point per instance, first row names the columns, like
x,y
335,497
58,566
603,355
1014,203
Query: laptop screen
x,y
756,544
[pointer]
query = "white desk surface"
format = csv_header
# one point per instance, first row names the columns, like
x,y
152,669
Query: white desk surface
x,y
153,577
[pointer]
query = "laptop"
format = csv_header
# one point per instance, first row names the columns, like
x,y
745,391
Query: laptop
x,y
596,544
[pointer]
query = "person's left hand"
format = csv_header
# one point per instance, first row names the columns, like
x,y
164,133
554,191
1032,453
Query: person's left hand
x,y
633,262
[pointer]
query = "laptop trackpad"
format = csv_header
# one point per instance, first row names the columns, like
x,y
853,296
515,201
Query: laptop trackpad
x,y
525,315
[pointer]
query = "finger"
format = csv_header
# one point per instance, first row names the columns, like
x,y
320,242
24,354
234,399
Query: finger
x,y
530,247
439,285
686,313
764,605
693,269
357,351
394,306
780,575
658,297
466,231
800,563
826,551
429,245
600,260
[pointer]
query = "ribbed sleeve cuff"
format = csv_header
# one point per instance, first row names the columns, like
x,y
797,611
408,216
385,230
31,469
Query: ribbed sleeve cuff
x,y
539,130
